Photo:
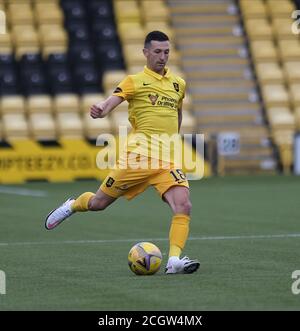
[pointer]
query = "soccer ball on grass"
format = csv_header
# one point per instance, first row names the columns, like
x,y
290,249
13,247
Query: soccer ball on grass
x,y
144,258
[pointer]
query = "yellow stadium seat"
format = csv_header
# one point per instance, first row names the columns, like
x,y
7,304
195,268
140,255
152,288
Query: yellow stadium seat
x,y
259,29
256,9
154,10
87,100
15,126
263,51
280,8
282,28
292,71
5,43
275,95
49,13
41,104
112,78
131,32
66,103
69,125
25,36
42,126
53,35
133,54
282,121
12,104
126,11
94,127
289,49
295,94
20,14
269,72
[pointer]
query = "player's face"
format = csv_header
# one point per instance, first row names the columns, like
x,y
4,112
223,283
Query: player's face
x,y
157,55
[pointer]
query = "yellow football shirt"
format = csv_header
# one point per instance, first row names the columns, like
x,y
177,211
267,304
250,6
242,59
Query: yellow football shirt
x,y
153,110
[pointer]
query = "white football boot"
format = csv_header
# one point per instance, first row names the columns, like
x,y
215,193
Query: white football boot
x,y
181,266
56,216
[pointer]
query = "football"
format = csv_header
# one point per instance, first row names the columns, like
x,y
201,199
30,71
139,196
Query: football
x,y
144,258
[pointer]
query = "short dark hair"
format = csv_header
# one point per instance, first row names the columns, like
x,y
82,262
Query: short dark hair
x,y
155,35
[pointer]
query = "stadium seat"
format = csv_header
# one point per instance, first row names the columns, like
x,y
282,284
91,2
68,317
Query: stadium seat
x,y
269,72
100,10
41,104
94,127
275,95
34,81
104,31
9,82
53,35
60,80
110,54
282,28
289,50
282,121
6,45
25,36
111,79
42,127
263,51
87,100
131,32
66,103
280,8
14,126
87,79
81,52
14,104
126,11
48,13
78,31
30,60
259,29
69,125
154,10
292,71
257,9
20,14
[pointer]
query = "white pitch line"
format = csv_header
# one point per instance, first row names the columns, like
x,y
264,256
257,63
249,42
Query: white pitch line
x,y
72,242
22,191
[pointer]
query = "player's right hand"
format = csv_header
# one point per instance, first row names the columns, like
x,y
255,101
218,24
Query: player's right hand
x,y
97,110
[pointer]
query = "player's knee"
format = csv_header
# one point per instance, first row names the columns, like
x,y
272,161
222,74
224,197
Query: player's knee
x,y
184,207
97,204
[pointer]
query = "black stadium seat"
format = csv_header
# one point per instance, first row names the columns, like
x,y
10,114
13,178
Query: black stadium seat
x,y
9,81
34,80
60,79
87,79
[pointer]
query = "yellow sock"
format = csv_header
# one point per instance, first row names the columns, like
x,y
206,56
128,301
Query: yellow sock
x,y
82,202
178,235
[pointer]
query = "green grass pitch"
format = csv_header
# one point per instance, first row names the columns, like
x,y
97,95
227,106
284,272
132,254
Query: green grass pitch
x,y
244,230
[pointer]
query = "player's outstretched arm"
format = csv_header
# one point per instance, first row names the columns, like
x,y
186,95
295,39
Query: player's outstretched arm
x,y
102,108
